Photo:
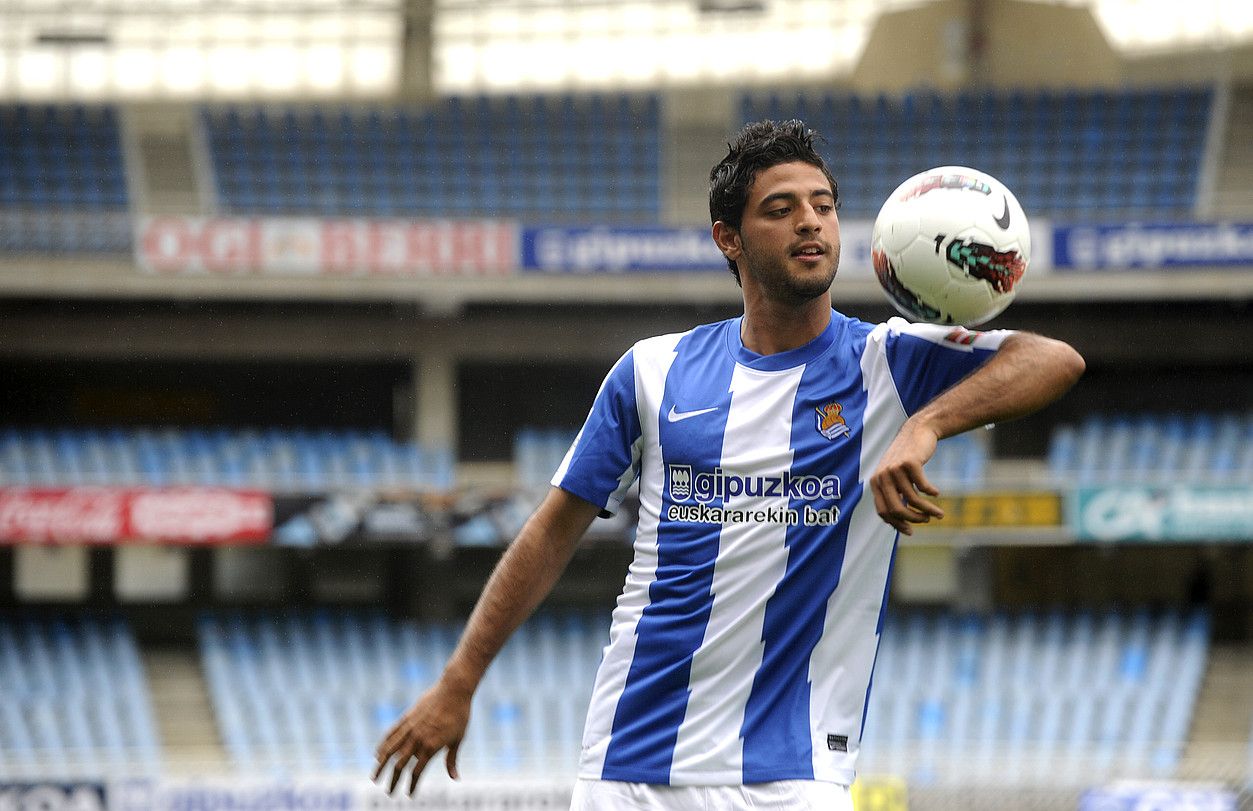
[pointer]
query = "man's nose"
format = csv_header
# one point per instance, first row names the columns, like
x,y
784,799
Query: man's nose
x,y
809,219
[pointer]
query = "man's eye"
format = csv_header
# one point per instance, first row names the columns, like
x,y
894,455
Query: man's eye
x,y
825,209
778,212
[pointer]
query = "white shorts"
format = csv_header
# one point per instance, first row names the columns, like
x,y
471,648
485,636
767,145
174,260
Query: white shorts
x,y
783,795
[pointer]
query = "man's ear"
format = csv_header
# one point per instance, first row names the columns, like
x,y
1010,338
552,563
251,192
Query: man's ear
x,y
727,238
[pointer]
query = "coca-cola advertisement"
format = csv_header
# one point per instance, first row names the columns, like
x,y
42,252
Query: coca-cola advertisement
x,y
107,515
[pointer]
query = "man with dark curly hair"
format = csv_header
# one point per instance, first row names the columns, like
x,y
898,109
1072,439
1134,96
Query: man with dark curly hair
x,y
778,454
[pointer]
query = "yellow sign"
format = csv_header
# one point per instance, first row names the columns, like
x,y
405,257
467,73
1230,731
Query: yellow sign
x,y
977,510
880,793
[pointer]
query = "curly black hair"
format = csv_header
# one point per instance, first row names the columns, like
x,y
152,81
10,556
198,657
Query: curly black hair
x,y
759,145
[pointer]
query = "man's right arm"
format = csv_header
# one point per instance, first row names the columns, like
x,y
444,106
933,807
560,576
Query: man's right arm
x,y
524,576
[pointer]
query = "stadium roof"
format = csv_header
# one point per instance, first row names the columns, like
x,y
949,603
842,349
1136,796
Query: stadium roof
x,y
119,49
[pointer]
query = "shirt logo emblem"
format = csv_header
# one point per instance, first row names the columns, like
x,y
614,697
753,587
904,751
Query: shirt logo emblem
x,y
680,482
962,336
679,416
831,422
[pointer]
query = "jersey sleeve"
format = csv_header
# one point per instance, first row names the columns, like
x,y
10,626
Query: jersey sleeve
x,y
926,359
603,461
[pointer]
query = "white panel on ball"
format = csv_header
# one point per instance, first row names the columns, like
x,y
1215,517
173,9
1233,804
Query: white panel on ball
x,y
950,246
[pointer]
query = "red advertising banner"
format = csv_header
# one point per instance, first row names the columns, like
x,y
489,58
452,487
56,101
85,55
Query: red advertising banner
x,y
105,515
313,247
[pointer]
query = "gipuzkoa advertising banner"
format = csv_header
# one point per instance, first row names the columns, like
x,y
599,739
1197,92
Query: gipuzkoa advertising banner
x,y
1135,246
330,794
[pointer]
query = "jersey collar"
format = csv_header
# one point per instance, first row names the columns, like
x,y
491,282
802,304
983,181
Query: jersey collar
x,y
780,360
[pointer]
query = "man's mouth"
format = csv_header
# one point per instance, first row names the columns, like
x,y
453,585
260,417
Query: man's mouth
x,y
809,251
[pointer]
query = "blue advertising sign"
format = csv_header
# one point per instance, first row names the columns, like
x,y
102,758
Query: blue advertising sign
x,y
53,796
1163,797
618,250
1155,245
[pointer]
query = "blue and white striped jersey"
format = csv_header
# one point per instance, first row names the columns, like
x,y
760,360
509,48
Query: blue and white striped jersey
x,y
742,646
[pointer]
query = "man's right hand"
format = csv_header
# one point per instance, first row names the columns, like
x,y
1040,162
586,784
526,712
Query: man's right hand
x,y
436,721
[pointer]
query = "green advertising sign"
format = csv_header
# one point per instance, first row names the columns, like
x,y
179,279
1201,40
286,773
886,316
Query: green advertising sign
x,y
1163,513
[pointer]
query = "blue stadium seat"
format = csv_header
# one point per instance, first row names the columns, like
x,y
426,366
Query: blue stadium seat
x,y
460,157
68,683
1090,142
337,680
62,157
278,460
1122,686
1154,449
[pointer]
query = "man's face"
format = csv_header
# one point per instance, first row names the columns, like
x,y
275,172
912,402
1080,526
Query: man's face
x,y
788,243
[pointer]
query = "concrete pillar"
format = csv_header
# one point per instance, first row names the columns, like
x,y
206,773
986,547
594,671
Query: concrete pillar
x,y
417,52
435,399
975,580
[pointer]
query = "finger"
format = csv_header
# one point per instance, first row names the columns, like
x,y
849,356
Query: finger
x,y
880,490
413,778
914,507
378,771
896,490
923,484
450,760
391,742
926,509
397,772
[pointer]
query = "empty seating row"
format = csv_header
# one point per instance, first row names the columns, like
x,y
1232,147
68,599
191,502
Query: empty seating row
x,y
75,700
314,693
43,231
1053,697
61,157
1131,152
281,460
536,158
1194,448
1063,152
1048,698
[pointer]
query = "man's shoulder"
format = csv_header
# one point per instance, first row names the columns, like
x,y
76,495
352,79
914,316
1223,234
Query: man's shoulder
x,y
670,340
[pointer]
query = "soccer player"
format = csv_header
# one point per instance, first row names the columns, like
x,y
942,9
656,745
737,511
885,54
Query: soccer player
x,y
778,455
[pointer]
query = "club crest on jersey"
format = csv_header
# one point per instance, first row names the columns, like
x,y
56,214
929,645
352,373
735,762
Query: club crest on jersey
x,y
831,422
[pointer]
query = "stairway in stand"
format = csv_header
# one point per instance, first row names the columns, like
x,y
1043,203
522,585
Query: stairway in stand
x,y
1218,745
180,700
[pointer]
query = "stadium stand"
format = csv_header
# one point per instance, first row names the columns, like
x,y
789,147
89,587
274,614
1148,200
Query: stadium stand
x,y
75,700
313,693
1017,699
1154,449
280,460
63,185
540,158
61,157
1066,153
1033,697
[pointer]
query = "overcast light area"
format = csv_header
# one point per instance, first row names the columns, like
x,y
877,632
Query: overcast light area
x,y
189,49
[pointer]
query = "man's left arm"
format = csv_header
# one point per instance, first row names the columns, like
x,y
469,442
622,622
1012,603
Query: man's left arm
x,y
1027,373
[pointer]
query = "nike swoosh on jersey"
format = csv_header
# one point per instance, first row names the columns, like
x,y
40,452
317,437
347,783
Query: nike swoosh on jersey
x,y
679,416
1003,220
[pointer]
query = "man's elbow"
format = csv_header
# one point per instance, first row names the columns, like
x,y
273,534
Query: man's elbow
x,y
1056,360
1069,364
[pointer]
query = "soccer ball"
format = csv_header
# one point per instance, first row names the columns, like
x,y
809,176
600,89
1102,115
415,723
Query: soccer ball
x,y
950,246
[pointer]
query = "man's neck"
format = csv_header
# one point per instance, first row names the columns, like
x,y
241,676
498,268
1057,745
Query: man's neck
x,y
771,327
